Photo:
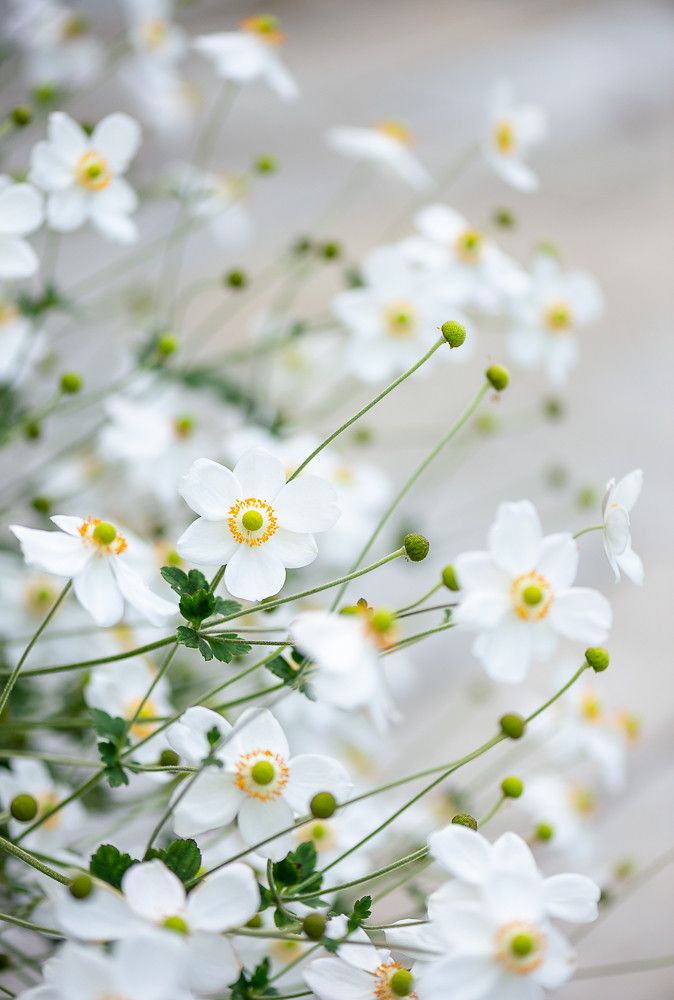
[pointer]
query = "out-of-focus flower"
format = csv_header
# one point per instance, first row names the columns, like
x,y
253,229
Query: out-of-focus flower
x,y
20,345
386,145
21,213
60,49
618,501
82,174
152,33
250,54
219,200
512,131
31,777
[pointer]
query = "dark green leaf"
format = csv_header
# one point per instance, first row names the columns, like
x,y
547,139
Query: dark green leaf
x,y
198,606
187,637
109,727
176,578
228,645
109,864
362,909
183,857
224,607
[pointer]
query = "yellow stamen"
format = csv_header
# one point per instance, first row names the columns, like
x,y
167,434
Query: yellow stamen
x,y
396,130
265,27
247,766
531,596
468,246
504,137
253,537
92,171
558,317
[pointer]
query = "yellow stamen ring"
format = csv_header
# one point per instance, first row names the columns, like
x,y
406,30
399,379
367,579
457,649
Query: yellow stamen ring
x,y
520,947
531,596
92,171
252,521
261,774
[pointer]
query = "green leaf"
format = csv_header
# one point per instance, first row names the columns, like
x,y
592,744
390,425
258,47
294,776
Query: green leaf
x,y
176,578
224,607
109,864
198,606
297,866
247,987
290,673
227,645
114,771
109,727
362,909
183,857
114,733
331,945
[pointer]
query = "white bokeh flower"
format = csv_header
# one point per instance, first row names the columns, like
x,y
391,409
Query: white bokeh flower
x,y
82,175
254,521
31,777
258,783
250,54
152,33
217,199
518,595
20,345
512,131
59,46
618,501
21,213
96,557
386,146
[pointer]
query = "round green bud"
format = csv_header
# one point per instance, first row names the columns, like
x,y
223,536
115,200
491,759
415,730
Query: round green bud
x,y
45,93
556,477
168,758
597,658
624,868
416,546
532,595
512,725
252,520
454,333
586,497
81,886
498,377
302,245
330,250
547,246
263,772
21,115
255,922
553,408
41,504
173,558
323,805
465,819
504,218
401,983
545,832
522,944
266,164
512,787
236,279
167,344
105,533
71,383
449,578
32,430
382,619
23,807
177,924
313,926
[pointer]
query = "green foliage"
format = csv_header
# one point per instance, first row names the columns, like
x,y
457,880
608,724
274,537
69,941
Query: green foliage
x,y
291,673
362,909
299,866
255,984
109,864
113,734
224,646
183,857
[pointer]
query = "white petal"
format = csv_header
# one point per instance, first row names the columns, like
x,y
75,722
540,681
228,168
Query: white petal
x,y
20,210
207,542
118,227
632,566
511,896
478,571
256,729
558,560
68,523
52,551
211,802
87,967
313,773
333,979
187,736
571,897
511,852
210,489
117,138
17,258
307,505
506,651
617,530
559,961
225,900
214,964
118,198
151,967
103,916
67,210
261,475
97,591
628,489
48,170
461,977
292,549
515,537
465,853
254,573
258,820
153,891
581,614
481,609
134,590
68,138
280,80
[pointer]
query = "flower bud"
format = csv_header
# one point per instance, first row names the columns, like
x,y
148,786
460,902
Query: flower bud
x,y
330,250
32,430
597,658
23,807
21,115
454,333
313,926
302,245
512,725
512,787
553,408
236,279
45,93
323,805
586,497
71,383
41,504
545,832
449,578
498,377
465,819
504,218
81,886
168,758
416,546
266,164
167,344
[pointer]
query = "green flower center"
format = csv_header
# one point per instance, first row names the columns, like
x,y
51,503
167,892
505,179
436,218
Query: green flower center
x,y
176,924
252,521
263,772
105,533
401,983
532,595
522,944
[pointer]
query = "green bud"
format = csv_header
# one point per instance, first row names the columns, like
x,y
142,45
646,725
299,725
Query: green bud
x,y
21,115
465,819
23,807
553,408
323,805
449,578
262,772
45,93
41,504
532,595
330,250
454,333
167,344
382,619
168,758
81,886
498,377
545,832
302,245
586,497
624,868
32,430
522,945
512,787
313,926
4,962
266,164
71,383
486,423
363,435
547,246
105,533
512,725
401,983
597,658
556,477
504,218
236,279
416,546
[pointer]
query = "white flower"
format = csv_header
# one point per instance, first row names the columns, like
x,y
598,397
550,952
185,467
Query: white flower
x,y
142,968
219,200
548,317
479,270
259,784
386,145
82,175
20,213
512,131
163,99
31,777
254,521
618,501
59,47
20,345
568,807
94,555
153,897
152,33
518,595
249,54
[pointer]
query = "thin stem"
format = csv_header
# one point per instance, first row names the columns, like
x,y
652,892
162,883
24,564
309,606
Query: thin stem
x,y
581,669
29,926
624,968
409,859
30,859
4,698
585,531
411,640
155,680
420,600
492,812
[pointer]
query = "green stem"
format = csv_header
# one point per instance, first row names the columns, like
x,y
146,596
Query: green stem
x,y
415,604
585,531
30,859
492,812
624,968
411,640
29,926
409,859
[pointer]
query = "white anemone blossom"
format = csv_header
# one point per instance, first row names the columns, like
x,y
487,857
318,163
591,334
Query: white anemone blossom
x,y
153,898
59,47
254,521
512,131
258,783
386,145
519,595
31,777
145,967
21,213
100,562
82,174
549,316
618,501
250,54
